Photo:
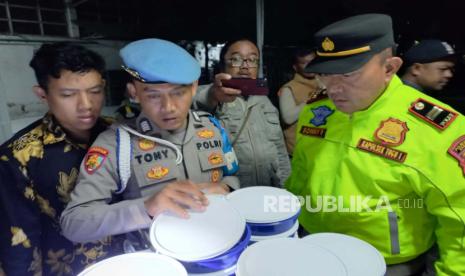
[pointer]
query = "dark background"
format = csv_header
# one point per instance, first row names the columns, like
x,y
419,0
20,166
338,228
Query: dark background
x,y
288,24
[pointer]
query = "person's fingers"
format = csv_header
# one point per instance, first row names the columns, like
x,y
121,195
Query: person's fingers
x,y
214,188
221,76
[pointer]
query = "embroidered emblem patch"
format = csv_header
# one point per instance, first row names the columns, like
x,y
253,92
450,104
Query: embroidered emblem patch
x,y
438,116
321,113
146,145
215,176
157,172
382,150
215,158
391,132
313,131
206,133
94,159
457,150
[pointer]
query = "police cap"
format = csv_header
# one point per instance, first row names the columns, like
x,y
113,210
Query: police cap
x,y
348,44
429,50
159,61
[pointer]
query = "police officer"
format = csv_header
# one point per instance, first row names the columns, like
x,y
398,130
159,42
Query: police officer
x,y
379,160
253,121
163,160
429,65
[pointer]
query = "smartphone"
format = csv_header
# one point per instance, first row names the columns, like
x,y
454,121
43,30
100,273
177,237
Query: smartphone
x,y
248,86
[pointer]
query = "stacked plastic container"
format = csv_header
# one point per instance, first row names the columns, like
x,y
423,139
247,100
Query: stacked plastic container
x,y
208,243
269,212
139,263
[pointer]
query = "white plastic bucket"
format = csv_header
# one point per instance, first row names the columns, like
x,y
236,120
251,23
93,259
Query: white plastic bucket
x,y
139,263
288,256
359,257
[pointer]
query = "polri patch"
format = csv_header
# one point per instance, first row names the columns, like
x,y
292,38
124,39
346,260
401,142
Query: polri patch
x,y
321,113
436,115
146,145
205,133
381,150
94,159
391,132
313,131
457,150
157,172
215,158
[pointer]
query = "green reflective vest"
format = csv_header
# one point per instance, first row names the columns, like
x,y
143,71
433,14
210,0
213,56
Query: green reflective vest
x,y
387,175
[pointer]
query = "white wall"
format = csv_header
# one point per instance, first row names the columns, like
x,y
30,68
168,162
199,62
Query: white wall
x,y
18,105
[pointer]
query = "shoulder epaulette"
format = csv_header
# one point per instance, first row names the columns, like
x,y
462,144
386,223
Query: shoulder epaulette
x,y
317,96
434,114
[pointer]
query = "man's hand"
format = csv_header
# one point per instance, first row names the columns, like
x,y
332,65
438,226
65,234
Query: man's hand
x,y
177,197
220,94
214,188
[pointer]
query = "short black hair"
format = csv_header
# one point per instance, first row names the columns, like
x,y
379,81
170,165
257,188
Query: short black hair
x,y
51,58
224,50
301,52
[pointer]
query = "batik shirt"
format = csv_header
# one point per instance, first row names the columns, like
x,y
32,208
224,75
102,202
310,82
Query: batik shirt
x,y
38,169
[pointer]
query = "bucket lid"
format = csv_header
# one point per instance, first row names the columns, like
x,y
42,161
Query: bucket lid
x,y
261,204
204,235
139,263
286,234
359,257
288,256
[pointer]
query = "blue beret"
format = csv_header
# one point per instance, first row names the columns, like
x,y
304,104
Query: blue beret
x,y
159,61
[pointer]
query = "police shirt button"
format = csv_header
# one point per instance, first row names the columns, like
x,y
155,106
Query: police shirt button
x,y
419,106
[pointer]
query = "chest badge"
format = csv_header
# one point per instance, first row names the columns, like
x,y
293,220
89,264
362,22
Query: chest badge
x,y
205,133
94,159
391,132
157,172
215,158
321,113
146,145
457,150
215,175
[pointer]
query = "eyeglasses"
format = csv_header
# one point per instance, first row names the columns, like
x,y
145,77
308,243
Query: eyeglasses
x,y
237,61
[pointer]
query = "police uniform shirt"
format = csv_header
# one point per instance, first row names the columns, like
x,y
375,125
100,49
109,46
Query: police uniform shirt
x,y
153,166
38,169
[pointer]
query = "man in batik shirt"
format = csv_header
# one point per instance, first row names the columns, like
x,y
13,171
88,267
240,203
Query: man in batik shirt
x,y
39,165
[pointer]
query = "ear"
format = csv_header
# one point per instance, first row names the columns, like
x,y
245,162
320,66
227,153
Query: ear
x,y
132,91
392,65
40,93
294,67
415,69
194,87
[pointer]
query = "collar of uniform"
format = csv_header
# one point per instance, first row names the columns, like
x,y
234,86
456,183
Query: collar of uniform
x,y
382,99
412,84
183,135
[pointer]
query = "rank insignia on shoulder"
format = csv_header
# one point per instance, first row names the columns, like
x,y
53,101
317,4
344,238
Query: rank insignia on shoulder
x,y
457,150
215,158
94,159
381,150
321,113
157,172
313,131
391,132
205,133
146,145
439,117
317,96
